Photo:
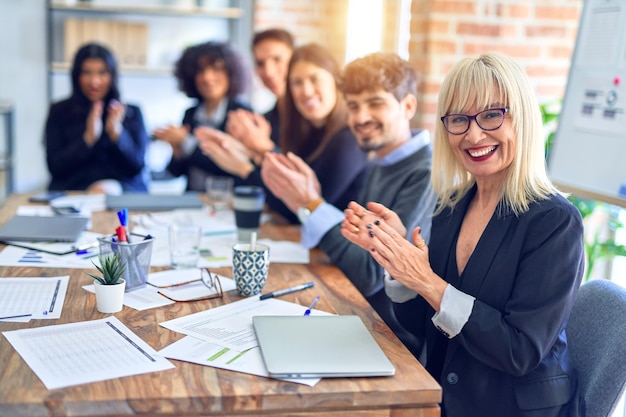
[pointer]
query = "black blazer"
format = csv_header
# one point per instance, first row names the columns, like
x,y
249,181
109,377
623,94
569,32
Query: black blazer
x,y
511,357
75,166
180,166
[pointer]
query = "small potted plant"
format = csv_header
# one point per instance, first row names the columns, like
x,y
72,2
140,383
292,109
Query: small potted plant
x,y
109,285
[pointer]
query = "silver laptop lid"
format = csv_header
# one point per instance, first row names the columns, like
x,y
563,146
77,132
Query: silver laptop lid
x,y
153,202
319,347
43,228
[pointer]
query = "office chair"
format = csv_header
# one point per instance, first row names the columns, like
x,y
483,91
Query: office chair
x,y
597,339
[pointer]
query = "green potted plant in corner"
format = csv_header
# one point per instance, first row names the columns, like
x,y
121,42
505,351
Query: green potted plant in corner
x,y
597,245
109,285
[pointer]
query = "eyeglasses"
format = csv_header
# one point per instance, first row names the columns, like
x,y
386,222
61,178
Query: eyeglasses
x,y
490,119
208,284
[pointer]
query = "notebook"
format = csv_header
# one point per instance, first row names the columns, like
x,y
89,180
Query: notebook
x,y
43,228
153,202
319,347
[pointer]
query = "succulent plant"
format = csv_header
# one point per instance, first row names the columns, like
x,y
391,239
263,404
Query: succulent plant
x,y
111,269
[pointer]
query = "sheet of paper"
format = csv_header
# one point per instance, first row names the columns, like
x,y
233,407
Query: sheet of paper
x,y
149,297
140,299
161,250
191,349
16,256
230,325
193,290
217,251
219,222
40,298
46,211
84,202
218,237
79,353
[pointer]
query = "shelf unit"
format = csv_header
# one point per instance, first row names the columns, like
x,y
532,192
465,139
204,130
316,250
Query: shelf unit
x,y
6,149
170,26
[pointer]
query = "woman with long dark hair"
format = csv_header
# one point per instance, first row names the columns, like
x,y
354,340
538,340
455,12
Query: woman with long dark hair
x,y
314,126
94,142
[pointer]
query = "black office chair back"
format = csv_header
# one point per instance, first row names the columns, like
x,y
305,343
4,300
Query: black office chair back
x,y
596,334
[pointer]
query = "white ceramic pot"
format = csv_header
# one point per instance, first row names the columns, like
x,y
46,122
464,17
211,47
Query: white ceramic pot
x,y
109,298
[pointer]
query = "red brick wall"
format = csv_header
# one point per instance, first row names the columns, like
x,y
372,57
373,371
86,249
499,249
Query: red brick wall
x,y
321,21
539,34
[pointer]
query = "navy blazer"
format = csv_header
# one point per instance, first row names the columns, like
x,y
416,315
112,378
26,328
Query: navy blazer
x,y
511,357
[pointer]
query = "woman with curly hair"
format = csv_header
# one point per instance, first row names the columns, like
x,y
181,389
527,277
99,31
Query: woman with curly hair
x,y
215,75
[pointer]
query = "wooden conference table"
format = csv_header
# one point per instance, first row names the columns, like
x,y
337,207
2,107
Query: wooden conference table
x,y
195,390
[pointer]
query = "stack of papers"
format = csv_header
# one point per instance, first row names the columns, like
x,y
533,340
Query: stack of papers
x,y
223,337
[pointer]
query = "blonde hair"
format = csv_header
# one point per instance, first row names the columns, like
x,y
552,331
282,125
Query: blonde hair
x,y
479,82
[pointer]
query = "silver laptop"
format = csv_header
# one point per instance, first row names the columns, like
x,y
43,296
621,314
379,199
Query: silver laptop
x,y
153,202
43,228
319,347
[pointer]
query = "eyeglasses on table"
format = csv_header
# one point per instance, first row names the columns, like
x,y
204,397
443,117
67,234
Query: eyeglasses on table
x,y
208,279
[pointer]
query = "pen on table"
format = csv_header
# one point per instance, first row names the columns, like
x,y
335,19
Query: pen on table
x,y
308,310
86,253
287,290
15,317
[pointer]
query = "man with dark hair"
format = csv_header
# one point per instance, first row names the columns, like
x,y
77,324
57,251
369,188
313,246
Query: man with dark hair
x,y
272,49
380,90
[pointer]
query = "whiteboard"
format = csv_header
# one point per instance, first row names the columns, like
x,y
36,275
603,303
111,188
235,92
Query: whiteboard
x,y
588,156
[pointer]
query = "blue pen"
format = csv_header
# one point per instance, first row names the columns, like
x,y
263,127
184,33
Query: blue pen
x,y
308,310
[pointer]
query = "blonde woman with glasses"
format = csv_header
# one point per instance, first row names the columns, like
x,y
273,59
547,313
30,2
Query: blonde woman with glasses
x,y
493,289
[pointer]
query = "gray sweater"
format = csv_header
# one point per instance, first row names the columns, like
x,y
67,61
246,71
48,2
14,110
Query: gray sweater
x,y
405,188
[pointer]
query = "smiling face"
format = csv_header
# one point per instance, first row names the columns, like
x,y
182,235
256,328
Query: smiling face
x,y
314,91
380,122
271,58
94,79
487,155
212,82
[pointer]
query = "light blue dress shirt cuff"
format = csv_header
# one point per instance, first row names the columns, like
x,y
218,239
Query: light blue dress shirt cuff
x,y
189,144
456,307
397,292
323,218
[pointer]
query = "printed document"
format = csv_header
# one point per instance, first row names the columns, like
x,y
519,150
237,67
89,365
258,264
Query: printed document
x,y
79,353
230,325
22,299
223,337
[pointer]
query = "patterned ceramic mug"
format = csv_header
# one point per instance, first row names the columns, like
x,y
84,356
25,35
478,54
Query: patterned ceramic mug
x,y
250,266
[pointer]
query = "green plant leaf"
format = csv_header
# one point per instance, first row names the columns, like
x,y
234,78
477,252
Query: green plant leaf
x,y
594,248
111,269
